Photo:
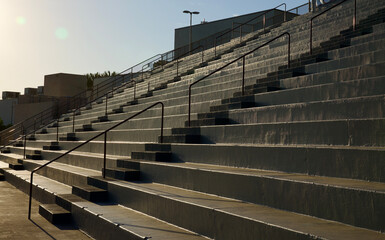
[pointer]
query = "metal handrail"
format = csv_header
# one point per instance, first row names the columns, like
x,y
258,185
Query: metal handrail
x,y
243,70
290,10
105,95
89,140
104,84
187,53
259,15
311,20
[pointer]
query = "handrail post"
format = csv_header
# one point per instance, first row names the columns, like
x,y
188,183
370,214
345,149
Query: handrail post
x,y
203,53
177,67
189,106
25,145
73,121
57,130
311,36
215,47
240,34
264,22
30,196
355,15
134,89
105,155
243,76
105,113
162,123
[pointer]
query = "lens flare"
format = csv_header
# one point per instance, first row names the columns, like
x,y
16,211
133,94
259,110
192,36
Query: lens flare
x,y
20,20
61,33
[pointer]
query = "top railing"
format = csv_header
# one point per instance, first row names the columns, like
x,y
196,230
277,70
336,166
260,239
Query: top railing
x,y
247,22
323,12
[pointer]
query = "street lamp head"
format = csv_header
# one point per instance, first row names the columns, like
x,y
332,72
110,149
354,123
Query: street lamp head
x,y
186,11
195,12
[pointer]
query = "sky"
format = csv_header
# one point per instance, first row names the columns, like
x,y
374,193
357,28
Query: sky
x,y
41,37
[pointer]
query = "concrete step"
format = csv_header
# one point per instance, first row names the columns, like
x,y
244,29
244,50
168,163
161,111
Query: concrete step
x,y
109,221
54,146
55,214
271,188
161,156
248,219
90,193
122,173
16,166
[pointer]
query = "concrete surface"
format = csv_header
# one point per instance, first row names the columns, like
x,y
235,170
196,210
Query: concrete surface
x,y
15,225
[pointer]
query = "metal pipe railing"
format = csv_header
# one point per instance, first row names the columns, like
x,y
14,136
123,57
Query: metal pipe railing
x,y
243,69
264,24
336,5
89,140
187,53
105,95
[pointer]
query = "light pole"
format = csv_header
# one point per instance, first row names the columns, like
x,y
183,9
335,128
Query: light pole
x,y
191,13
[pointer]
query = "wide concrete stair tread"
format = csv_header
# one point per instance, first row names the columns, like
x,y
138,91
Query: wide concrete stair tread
x,y
311,226
138,223
290,177
43,182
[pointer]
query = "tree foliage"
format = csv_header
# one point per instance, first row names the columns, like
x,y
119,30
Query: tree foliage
x,y
91,76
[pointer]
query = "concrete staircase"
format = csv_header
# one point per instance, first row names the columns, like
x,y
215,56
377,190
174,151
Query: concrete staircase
x,y
299,156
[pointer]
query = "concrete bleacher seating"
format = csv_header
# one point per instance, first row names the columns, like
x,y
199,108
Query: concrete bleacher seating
x,y
300,156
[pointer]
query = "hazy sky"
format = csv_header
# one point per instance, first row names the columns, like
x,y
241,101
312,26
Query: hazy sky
x,y
40,37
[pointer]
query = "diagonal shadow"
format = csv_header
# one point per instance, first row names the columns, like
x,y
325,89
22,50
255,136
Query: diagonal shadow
x,y
37,225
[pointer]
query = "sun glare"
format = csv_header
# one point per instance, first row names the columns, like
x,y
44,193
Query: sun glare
x,y
61,33
20,20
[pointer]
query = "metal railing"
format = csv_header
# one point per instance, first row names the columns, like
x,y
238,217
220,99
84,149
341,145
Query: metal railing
x,y
188,53
89,140
247,22
336,5
243,69
106,95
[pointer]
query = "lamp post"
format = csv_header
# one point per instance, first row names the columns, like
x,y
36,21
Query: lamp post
x,y
191,13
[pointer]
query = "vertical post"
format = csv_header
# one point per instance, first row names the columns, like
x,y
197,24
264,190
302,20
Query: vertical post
x,y
189,106
311,36
240,34
134,90
161,126
190,33
30,196
232,30
203,52
355,15
25,145
73,122
148,87
288,51
57,130
243,76
177,67
105,113
215,47
264,22
105,155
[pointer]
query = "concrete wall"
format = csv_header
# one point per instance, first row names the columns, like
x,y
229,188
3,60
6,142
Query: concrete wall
x,y
64,84
201,31
24,111
6,110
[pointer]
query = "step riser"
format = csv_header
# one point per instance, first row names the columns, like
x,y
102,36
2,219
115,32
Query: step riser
x,y
312,161
325,202
200,219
